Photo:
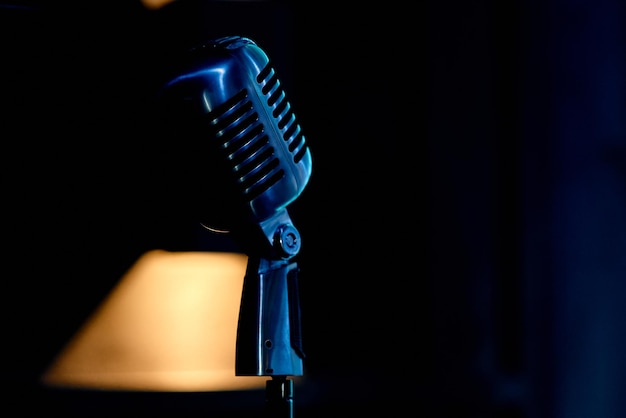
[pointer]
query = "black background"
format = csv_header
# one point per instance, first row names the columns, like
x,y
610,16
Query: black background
x,y
463,228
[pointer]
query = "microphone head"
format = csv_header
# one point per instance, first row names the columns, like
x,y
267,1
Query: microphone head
x,y
256,159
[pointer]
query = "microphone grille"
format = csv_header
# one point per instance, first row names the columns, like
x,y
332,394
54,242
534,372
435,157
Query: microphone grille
x,y
245,145
242,127
285,118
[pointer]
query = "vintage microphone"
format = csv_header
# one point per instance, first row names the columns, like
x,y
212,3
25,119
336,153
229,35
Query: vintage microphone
x,y
258,161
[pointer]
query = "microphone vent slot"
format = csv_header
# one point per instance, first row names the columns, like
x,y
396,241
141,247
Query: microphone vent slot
x,y
282,113
242,141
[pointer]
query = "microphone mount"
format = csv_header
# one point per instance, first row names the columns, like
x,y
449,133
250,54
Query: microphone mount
x,y
269,331
269,337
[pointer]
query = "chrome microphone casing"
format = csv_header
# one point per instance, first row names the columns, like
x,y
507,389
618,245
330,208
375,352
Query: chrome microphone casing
x,y
232,83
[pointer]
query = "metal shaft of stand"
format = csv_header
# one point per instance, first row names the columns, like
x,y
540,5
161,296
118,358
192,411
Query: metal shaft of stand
x,y
279,397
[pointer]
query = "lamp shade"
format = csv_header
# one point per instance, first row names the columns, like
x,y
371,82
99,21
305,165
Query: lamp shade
x,y
170,324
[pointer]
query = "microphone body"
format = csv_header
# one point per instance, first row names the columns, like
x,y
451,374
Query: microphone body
x,y
255,144
258,162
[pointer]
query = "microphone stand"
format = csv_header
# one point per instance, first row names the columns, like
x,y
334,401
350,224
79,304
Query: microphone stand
x,y
279,397
269,330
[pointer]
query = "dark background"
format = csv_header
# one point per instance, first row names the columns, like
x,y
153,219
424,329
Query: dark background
x,y
464,229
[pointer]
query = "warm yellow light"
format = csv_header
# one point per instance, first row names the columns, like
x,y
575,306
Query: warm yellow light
x,y
155,4
170,324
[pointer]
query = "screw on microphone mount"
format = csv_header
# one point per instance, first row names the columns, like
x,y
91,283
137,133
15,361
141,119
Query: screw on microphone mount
x,y
287,240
